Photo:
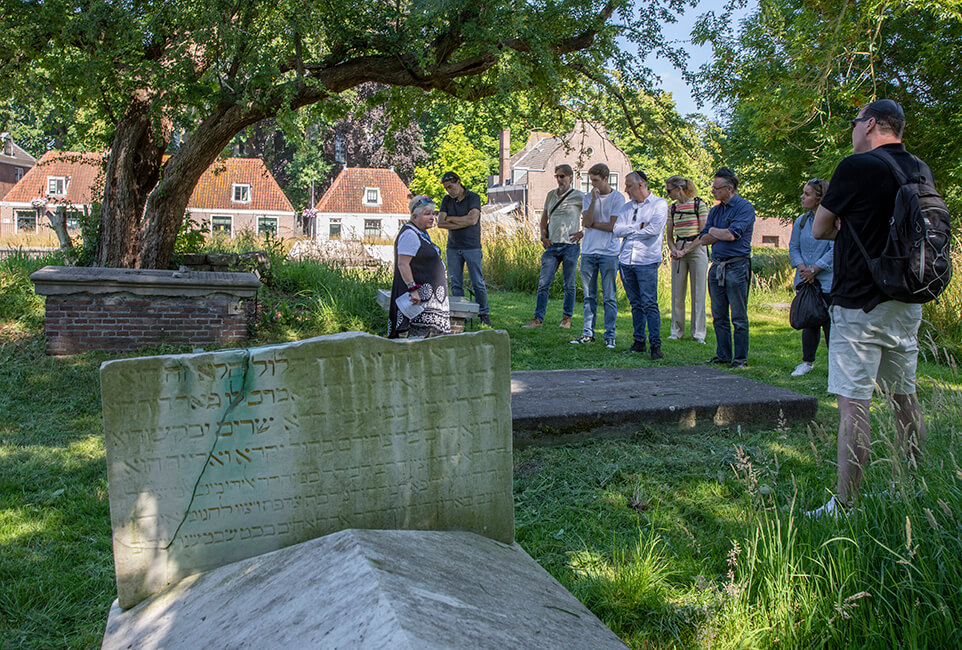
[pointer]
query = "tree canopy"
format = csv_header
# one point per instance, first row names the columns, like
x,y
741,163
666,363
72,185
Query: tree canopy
x,y
148,70
797,71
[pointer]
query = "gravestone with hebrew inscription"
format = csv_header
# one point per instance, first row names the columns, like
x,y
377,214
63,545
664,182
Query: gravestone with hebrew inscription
x,y
221,456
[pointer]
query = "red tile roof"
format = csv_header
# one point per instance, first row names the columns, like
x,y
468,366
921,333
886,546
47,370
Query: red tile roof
x,y
214,190
346,194
81,170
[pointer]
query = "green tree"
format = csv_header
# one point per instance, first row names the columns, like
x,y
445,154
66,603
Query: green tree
x,y
454,153
797,71
212,69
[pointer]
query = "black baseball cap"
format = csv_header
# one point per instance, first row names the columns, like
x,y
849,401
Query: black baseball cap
x,y
642,175
450,177
887,107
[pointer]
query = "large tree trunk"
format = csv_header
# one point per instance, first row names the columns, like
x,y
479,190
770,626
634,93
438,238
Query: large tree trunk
x,y
167,204
133,166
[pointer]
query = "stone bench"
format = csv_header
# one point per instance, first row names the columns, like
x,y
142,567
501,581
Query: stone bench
x,y
461,309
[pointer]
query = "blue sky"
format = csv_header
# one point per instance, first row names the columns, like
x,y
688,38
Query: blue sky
x,y
680,34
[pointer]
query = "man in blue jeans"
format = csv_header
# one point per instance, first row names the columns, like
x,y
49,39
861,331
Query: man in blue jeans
x,y
642,225
599,253
560,219
460,214
729,232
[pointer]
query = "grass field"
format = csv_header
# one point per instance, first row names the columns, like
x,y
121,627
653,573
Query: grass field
x,y
674,539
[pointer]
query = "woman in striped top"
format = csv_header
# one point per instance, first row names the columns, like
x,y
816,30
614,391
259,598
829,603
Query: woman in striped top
x,y
689,259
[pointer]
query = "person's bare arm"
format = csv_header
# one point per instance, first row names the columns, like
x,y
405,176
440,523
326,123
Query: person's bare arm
x,y
606,226
404,270
457,223
545,239
721,234
825,225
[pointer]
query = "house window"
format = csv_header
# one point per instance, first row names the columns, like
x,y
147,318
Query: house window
x,y
56,186
537,214
221,224
334,231
400,224
267,224
770,240
73,220
372,196
20,172
242,193
372,227
26,220
586,182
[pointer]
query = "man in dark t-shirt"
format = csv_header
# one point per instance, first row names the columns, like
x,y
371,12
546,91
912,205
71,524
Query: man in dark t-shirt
x,y
460,215
874,339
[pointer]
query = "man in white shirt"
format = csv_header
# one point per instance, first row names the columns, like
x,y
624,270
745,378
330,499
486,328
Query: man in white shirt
x,y
641,224
599,253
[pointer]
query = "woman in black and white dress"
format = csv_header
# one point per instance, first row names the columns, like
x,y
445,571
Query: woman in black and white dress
x,y
419,272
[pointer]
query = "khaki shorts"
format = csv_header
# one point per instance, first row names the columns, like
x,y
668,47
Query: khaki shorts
x,y
878,348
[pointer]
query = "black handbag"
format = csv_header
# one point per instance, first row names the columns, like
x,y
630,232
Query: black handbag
x,y
808,307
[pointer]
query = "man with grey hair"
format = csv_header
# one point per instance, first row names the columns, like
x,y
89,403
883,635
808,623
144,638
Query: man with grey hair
x,y
874,339
560,219
729,232
641,226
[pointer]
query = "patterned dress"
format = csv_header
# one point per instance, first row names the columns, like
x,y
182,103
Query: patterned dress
x,y
428,271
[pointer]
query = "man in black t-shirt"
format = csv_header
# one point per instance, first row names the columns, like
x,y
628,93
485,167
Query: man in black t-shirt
x,y
874,339
460,215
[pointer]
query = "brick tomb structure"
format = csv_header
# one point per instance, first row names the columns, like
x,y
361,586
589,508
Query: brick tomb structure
x,y
127,309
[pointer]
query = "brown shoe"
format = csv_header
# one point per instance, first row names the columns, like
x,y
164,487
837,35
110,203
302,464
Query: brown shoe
x,y
534,323
565,323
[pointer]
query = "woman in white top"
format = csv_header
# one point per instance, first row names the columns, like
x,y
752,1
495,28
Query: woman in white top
x,y
419,272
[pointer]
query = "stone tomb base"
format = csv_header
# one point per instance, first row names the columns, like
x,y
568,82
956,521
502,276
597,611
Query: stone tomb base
x,y
367,589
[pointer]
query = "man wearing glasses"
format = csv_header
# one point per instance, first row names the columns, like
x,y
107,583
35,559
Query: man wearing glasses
x,y
874,339
642,225
729,232
560,219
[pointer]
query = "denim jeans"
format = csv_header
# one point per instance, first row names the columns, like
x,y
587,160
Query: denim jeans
x,y
607,266
729,309
566,256
641,285
457,258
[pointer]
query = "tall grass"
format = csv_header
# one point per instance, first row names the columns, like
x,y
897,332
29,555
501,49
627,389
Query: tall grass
x,y
887,574
19,304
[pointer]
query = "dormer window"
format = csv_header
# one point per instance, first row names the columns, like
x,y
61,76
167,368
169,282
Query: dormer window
x,y
242,193
56,186
372,196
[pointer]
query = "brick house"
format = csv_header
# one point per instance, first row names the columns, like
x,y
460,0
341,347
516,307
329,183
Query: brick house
x,y
60,179
233,195
526,177
14,163
363,203
771,232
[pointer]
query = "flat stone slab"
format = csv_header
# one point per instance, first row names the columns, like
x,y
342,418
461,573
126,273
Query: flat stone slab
x,y
65,280
367,589
460,307
559,406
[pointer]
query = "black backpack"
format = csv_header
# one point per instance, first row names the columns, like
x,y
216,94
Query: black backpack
x,y
915,266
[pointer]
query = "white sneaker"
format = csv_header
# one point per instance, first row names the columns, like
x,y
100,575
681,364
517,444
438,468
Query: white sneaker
x,y
610,344
674,338
831,509
584,338
802,369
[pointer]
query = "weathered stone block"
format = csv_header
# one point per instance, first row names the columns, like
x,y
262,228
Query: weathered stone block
x,y
405,590
221,456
